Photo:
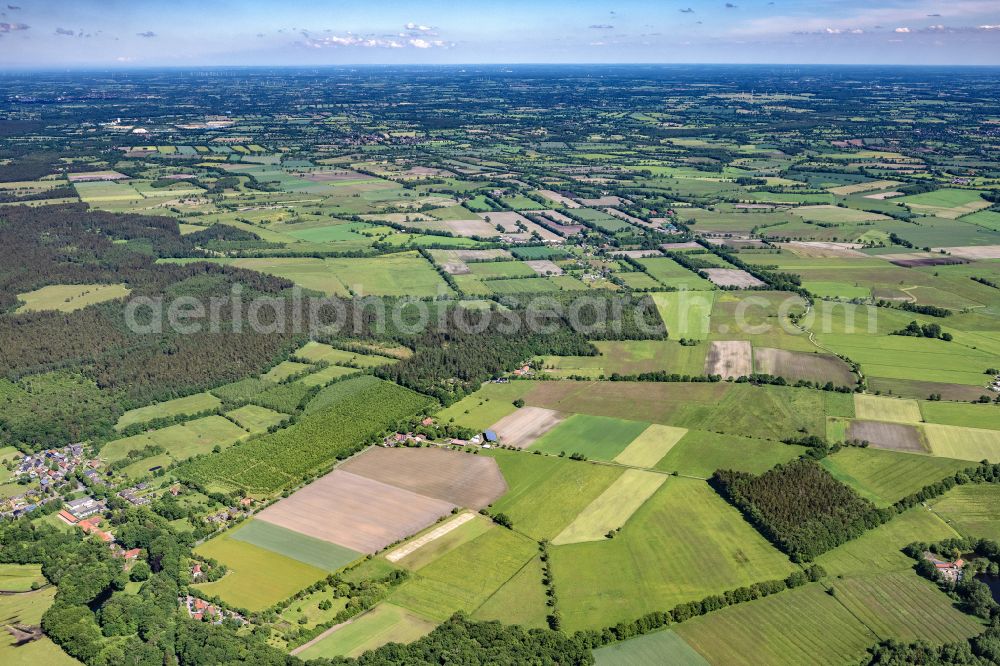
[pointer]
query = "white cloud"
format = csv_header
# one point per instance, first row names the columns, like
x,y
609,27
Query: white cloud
x,y
901,30
418,27
369,42
989,27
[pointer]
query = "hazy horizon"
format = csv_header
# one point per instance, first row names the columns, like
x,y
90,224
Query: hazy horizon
x,y
114,33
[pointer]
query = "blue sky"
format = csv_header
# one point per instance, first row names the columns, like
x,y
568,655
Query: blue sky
x,y
137,33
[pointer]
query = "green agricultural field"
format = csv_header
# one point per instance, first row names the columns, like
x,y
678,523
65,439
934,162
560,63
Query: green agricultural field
x,y
685,521
521,600
326,375
612,508
597,437
973,444
661,647
905,607
337,422
919,359
254,418
563,487
944,198
971,510
318,553
881,408
884,476
486,406
106,192
800,626
631,357
286,369
501,269
70,297
961,414
669,273
316,352
700,453
686,314
28,609
257,577
880,549
20,577
444,586
401,274
771,412
181,441
386,623
650,446
192,404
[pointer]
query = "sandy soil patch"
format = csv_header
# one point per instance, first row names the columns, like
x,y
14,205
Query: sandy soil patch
x,y
544,267
730,358
732,277
459,479
604,201
356,512
470,228
527,424
823,249
636,254
559,198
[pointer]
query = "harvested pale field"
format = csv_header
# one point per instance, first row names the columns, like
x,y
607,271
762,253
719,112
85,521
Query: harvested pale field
x,y
732,277
973,252
729,358
881,196
92,176
355,511
604,201
881,408
556,216
650,446
857,188
632,219
690,245
481,255
637,254
544,267
821,249
460,479
506,219
559,198
455,267
806,366
891,436
527,424
470,228
611,509
444,528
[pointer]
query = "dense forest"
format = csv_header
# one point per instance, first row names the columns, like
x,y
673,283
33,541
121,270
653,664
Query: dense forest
x,y
800,507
